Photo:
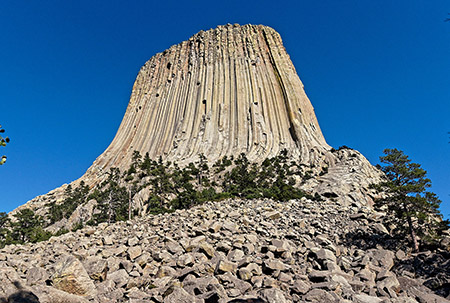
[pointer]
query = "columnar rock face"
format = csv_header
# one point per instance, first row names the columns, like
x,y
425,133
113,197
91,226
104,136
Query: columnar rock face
x,y
224,91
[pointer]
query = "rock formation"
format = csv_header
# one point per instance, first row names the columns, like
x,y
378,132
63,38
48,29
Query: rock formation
x,y
224,92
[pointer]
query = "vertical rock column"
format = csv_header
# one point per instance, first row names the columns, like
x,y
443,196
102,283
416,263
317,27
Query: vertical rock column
x,y
225,91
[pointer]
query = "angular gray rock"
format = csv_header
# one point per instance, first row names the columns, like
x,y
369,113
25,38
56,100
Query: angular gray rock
x,y
163,258
71,276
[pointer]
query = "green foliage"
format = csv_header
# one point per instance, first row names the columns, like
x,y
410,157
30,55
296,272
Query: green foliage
x,y
95,194
73,198
171,188
273,179
240,181
40,234
146,163
77,226
61,231
155,205
136,162
3,142
222,164
5,233
416,209
203,171
112,199
28,228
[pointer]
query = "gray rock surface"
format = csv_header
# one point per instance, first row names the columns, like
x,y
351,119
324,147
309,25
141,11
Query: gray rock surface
x,y
299,256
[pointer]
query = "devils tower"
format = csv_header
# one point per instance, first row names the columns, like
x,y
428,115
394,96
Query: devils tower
x,y
225,91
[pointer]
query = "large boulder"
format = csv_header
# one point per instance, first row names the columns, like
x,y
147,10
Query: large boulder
x,y
70,276
82,214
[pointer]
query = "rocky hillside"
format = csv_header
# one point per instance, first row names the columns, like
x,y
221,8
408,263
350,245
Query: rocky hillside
x,y
229,251
224,92
220,117
150,186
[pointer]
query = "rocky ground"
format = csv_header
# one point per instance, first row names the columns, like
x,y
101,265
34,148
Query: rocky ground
x,y
229,251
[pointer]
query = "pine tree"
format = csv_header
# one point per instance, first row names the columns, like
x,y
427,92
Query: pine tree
x,y
28,227
407,197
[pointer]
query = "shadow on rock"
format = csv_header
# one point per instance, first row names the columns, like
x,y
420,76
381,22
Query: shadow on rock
x,y
21,296
433,267
363,239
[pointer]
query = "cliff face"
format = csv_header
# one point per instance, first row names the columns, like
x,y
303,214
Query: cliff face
x,y
225,91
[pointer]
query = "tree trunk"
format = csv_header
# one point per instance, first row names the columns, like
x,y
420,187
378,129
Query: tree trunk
x,y
129,205
109,209
413,235
415,244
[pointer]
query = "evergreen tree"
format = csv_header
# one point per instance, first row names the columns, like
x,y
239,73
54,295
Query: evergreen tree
x,y
135,163
203,171
5,233
146,165
3,142
28,227
161,181
73,198
416,209
112,199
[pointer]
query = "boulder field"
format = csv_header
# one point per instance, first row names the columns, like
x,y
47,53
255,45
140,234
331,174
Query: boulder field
x,y
228,251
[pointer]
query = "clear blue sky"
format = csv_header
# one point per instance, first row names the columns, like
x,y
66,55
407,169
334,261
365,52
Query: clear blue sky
x,y
377,73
